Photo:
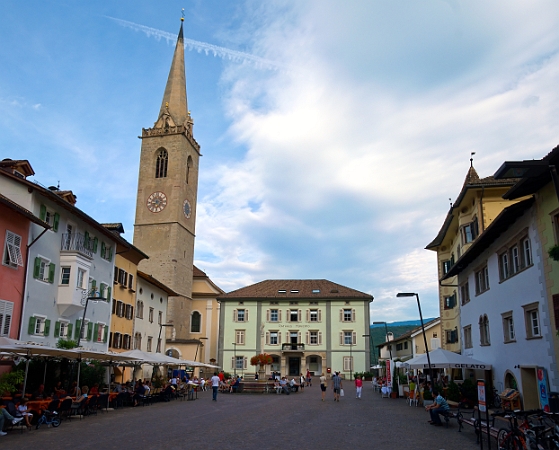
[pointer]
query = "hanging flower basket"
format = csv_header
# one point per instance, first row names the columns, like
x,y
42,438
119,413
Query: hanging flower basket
x,y
263,359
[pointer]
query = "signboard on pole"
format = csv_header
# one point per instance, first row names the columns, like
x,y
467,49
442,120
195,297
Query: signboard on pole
x,y
542,388
389,369
481,395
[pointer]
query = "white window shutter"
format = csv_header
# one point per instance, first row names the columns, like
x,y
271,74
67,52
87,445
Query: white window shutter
x,y
299,337
234,315
279,315
232,362
299,315
307,338
279,337
245,362
341,315
267,338
308,315
353,315
267,315
354,338
246,315
320,338
341,338
320,315
287,337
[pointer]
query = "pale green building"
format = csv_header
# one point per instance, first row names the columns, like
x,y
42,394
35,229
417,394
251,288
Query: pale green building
x,y
303,324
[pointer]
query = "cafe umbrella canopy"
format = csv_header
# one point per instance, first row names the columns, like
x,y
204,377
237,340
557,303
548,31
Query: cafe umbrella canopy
x,y
443,359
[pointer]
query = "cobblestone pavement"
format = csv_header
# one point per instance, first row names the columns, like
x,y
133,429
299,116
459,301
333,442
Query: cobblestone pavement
x,y
255,421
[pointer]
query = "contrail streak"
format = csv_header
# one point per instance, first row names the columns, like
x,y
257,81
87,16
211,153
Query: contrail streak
x,y
221,52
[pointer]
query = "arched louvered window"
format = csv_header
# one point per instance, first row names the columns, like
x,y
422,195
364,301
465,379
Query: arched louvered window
x,y
188,167
195,322
161,163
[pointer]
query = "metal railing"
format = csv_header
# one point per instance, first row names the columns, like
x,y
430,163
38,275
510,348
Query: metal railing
x,y
293,347
76,242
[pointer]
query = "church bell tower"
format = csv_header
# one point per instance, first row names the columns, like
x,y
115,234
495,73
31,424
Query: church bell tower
x,y
167,189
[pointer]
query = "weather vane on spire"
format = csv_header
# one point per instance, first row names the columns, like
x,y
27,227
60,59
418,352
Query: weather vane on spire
x,y
182,18
472,159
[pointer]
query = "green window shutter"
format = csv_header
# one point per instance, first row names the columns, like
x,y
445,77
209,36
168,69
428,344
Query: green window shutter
x,y
93,288
110,254
103,249
89,331
86,239
70,328
78,327
43,213
55,222
36,267
95,244
47,327
108,294
106,334
57,329
96,331
32,323
52,268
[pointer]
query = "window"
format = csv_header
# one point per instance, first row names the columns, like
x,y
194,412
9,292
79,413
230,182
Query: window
x,y
130,281
240,362
161,163
527,250
126,339
84,330
80,281
107,253
482,280
516,257
347,315
508,327
43,270
151,315
294,315
274,315
117,340
12,250
140,309
63,330
189,165
484,330
196,319
348,363
129,312
274,338
504,268
65,275
532,318
100,331
240,315
38,326
240,337
468,336
313,337
150,340
399,347
348,337
314,315
450,301
469,232
451,336
465,293
6,311
122,277
50,217
137,341
446,266
160,317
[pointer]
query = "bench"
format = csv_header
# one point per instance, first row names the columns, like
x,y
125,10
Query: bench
x,y
479,426
254,387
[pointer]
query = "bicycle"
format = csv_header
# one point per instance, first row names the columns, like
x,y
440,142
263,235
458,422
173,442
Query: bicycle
x,y
523,436
48,418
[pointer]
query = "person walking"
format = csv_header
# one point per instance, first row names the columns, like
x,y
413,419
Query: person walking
x,y
323,385
358,387
337,386
215,386
302,382
309,379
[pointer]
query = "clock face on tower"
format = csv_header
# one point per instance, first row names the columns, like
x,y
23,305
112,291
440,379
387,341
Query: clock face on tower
x,y
157,202
186,209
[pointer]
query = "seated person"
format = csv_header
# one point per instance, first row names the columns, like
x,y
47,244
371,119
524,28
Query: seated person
x,y
95,389
22,409
277,386
39,394
235,385
283,385
440,406
147,388
6,415
140,393
118,388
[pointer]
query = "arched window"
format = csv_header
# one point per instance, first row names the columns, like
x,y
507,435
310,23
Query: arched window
x,y
188,167
484,330
161,163
140,309
195,322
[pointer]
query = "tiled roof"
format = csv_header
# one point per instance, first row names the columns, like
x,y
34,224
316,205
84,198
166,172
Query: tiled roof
x,y
296,289
25,212
157,283
115,227
198,273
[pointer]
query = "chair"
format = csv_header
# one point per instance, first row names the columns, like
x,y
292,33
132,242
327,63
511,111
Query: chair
x,y
65,408
78,408
91,406
12,410
53,405
102,402
413,398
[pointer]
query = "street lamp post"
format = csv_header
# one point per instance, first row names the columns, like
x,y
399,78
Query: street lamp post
x,y
161,325
235,359
350,360
413,294
89,296
386,330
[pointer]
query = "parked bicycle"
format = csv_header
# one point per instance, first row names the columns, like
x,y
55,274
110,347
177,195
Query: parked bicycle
x,y
48,418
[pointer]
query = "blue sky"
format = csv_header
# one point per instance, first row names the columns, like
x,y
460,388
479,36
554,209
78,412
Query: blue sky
x,y
330,150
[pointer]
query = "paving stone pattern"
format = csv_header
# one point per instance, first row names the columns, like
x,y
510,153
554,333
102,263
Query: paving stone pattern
x,y
255,421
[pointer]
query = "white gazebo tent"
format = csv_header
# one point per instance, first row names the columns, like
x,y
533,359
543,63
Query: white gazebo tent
x,y
443,359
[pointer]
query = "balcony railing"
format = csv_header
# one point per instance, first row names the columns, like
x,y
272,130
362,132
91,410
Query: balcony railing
x,y
293,347
76,242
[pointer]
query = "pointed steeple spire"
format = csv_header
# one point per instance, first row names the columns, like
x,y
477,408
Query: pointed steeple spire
x,y
174,99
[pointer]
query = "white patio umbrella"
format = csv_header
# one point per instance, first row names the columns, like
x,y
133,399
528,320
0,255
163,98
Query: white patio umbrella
x,y
443,359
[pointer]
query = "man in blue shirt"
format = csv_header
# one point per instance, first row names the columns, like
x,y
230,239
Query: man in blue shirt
x,y
337,386
440,406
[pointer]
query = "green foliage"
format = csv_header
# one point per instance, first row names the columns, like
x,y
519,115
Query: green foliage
x,y
91,373
10,380
469,392
427,395
553,252
453,392
226,375
157,381
66,344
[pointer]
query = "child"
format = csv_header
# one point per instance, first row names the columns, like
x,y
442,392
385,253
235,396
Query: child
x,y
22,408
358,387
